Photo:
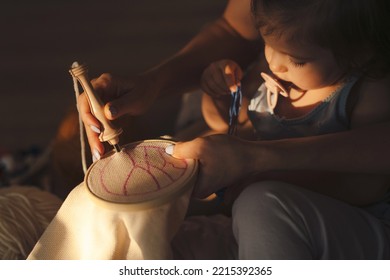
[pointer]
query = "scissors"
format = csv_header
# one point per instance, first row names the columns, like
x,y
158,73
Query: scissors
x,y
234,110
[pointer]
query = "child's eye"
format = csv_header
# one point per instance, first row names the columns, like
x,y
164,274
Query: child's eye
x,y
297,63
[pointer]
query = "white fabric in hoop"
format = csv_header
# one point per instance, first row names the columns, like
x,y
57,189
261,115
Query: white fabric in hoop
x,y
130,207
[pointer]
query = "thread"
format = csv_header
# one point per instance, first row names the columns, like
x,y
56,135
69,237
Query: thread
x,y
25,212
81,126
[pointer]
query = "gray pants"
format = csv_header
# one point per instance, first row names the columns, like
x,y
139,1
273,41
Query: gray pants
x,y
275,220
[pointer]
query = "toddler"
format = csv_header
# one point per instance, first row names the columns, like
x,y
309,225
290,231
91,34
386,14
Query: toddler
x,y
327,71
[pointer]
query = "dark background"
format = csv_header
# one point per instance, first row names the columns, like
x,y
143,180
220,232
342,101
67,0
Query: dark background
x,y
40,39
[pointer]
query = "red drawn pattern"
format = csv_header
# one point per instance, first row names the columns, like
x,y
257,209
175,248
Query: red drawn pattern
x,y
147,164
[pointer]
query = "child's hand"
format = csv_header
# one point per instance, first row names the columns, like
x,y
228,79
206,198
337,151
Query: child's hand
x,y
221,78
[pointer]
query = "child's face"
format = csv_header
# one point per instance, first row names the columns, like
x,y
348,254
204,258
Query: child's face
x,y
307,66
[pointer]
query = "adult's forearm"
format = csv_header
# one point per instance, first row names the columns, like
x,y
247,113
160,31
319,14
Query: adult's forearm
x,y
363,150
218,40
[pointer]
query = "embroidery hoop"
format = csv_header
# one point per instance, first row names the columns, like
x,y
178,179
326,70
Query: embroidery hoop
x,y
141,200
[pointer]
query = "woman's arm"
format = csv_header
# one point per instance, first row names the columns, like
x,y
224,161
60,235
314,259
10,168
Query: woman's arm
x,y
232,35
228,162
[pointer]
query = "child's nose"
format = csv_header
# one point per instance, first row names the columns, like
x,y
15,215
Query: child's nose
x,y
276,62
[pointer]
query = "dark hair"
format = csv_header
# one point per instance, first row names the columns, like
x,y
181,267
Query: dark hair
x,y
356,31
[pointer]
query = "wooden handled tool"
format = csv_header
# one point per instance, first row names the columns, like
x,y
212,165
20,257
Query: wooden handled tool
x,y
109,132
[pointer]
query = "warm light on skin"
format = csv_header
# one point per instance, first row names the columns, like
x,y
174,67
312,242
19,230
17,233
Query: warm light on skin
x,y
307,66
231,78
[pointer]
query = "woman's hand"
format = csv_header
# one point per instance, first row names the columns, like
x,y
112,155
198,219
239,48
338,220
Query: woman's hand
x,y
221,78
121,96
222,158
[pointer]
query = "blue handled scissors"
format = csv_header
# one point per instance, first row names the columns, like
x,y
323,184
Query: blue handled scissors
x,y
234,110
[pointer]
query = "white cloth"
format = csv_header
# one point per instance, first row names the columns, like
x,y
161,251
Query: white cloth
x,y
85,229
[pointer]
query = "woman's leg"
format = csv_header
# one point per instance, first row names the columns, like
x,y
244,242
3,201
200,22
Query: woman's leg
x,y
275,220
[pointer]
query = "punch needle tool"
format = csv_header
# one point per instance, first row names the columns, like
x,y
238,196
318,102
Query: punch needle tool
x,y
109,133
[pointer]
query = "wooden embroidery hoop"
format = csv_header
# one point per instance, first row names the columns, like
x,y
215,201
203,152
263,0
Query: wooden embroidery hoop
x,y
183,185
